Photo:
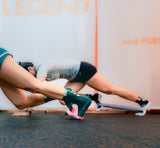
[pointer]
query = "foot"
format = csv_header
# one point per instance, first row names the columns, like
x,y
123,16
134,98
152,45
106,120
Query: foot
x,y
144,105
83,104
21,113
73,114
142,113
27,112
74,111
96,98
99,104
81,101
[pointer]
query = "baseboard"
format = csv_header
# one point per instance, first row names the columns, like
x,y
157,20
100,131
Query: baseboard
x,y
106,111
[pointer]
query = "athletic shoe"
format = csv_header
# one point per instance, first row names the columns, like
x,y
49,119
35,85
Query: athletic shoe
x,y
96,98
81,101
83,104
73,114
144,105
99,106
141,113
74,111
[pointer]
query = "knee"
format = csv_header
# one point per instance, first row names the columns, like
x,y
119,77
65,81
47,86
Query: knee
x,y
20,105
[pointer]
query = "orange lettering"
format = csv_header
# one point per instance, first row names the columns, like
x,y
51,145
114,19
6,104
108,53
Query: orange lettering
x,y
30,8
148,41
5,9
124,42
87,7
69,9
155,41
20,6
142,40
49,6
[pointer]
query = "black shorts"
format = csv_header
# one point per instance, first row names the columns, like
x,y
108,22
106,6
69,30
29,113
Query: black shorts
x,y
86,72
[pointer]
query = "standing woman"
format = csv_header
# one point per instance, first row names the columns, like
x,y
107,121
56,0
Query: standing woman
x,y
14,79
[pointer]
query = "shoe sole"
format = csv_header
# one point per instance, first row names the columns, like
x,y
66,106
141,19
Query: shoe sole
x,y
143,113
76,118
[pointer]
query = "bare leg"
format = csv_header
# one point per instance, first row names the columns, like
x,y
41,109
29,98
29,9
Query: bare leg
x,y
14,74
101,84
75,86
18,98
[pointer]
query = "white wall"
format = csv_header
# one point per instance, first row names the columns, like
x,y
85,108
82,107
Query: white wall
x,y
36,38
134,65
123,58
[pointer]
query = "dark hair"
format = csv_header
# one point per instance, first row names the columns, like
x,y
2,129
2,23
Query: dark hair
x,y
25,65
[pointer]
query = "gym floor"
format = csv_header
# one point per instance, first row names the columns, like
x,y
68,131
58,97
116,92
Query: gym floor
x,y
55,130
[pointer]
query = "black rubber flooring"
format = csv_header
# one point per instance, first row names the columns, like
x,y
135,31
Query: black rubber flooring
x,y
53,130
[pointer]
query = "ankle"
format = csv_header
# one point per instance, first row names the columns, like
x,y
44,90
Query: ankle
x,y
47,99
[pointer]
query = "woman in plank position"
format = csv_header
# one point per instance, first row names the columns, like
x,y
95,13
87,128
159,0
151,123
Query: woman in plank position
x,y
79,74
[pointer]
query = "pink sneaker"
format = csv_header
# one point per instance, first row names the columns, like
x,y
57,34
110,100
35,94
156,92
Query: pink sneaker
x,y
74,114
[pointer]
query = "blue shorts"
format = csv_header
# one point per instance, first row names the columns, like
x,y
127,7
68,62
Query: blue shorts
x,y
3,54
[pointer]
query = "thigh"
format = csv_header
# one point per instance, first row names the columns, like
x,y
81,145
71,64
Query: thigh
x,y
20,78
75,86
99,83
14,94
15,74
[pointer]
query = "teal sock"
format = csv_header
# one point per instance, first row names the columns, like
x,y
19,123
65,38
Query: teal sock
x,y
68,89
82,102
68,103
47,99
